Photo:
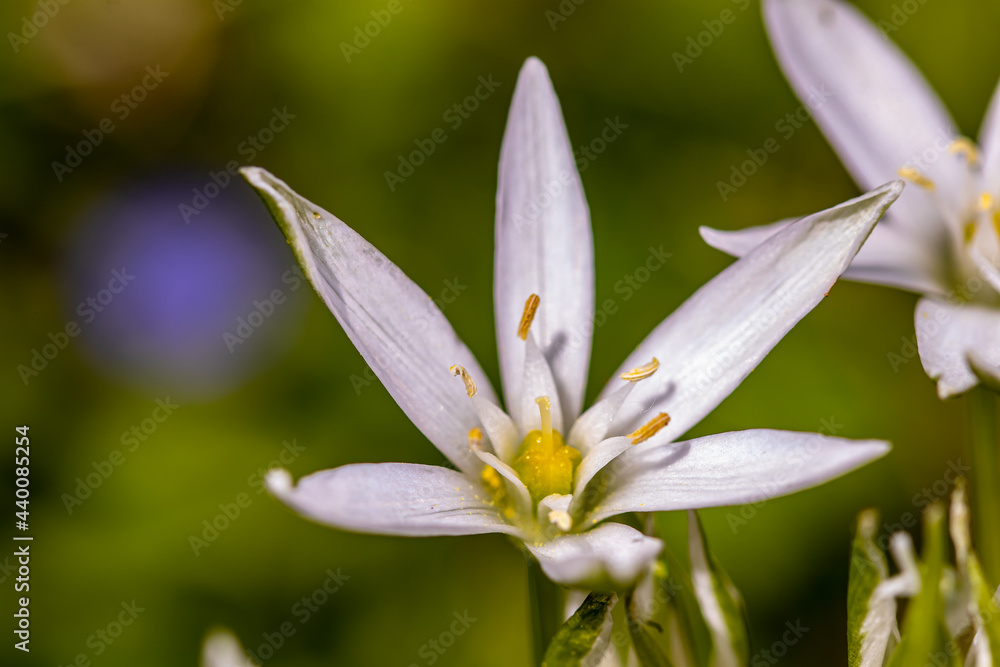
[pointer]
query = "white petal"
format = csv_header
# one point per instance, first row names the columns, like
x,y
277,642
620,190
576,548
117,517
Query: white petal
x,y
727,469
889,257
396,327
989,141
593,424
544,244
391,499
709,344
947,334
499,427
537,381
872,104
596,460
612,556
222,649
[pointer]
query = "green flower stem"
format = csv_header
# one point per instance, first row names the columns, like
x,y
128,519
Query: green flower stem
x,y
986,478
546,608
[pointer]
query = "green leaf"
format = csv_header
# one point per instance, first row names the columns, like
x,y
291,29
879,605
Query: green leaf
x,y
721,604
868,569
581,635
925,639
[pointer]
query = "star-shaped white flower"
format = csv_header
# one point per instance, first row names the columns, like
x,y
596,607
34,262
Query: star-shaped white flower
x,y
941,239
516,472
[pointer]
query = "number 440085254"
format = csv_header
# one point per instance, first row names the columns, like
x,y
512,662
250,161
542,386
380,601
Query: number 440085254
x,y
21,462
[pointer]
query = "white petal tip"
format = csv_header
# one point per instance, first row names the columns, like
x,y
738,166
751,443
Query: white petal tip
x,y
534,66
279,482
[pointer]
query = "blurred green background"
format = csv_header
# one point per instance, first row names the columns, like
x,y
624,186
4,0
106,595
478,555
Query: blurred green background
x,y
225,68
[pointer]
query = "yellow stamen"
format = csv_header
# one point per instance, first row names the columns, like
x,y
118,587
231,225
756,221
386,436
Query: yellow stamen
x,y
964,147
649,429
911,174
545,410
996,221
985,201
475,438
641,372
530,307
470,384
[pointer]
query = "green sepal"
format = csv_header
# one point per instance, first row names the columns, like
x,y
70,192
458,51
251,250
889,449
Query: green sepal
x,y
580,635
868,569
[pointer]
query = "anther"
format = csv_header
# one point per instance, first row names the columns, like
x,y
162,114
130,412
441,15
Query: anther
x,y
649,429
475,438
530,307
985,201
914,175
470,384
964,147
641,372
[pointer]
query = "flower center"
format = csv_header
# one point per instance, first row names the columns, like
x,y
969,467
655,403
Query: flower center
x,y
544,462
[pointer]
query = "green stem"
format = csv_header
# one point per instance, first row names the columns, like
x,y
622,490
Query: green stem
x,y
546,608
986,478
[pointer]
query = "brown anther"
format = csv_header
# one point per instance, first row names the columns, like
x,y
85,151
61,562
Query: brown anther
x,y
649,429
641,372
470,384
530,307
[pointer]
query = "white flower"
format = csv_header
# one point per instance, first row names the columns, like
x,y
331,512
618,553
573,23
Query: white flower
x,y
941,238
517,474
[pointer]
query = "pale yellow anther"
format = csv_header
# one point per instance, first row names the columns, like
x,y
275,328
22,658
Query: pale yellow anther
x,y
649,429
641,372
964,147
530,308
914,175
985,202
475,438
470,384
562,520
